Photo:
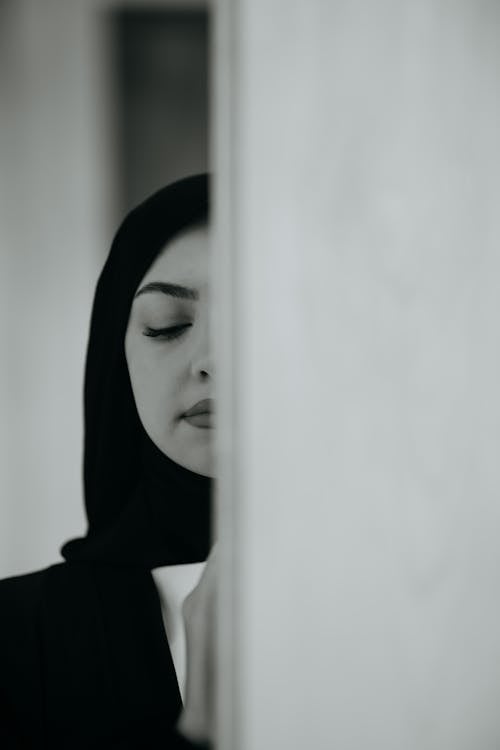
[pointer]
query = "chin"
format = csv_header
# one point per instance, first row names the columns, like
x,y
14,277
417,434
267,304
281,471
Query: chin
x,y
204,470
203,466
205,474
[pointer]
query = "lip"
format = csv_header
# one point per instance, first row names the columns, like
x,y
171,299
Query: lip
x,y
205,407
202,420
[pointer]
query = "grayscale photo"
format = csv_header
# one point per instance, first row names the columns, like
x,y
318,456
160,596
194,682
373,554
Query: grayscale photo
x,y
249,423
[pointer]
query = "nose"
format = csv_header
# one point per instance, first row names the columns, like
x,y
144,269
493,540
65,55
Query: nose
x,y
201,360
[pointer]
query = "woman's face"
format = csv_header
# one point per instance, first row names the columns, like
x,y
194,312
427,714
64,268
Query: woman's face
x,y
169,358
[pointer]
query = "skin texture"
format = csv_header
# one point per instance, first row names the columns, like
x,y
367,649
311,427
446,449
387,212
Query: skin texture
x,y
169,376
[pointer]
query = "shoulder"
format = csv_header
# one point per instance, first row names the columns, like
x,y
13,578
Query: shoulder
x,y
21,652
26,597
26,601
29,607
22,607
26,584
24,593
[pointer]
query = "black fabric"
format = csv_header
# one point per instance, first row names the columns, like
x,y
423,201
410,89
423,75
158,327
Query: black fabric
x,y
84,658
85,662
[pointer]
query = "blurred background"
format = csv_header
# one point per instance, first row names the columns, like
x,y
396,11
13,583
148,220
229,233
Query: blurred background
x,y
101,103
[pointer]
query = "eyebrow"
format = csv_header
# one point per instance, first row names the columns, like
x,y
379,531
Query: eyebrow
x,y
173,290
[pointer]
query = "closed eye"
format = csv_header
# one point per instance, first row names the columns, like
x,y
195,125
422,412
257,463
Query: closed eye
x,y
167,334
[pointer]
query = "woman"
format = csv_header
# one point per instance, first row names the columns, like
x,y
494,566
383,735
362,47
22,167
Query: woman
x,y
90,651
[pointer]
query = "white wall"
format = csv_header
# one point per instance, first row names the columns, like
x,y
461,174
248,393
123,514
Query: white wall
x,y
56,213
361,189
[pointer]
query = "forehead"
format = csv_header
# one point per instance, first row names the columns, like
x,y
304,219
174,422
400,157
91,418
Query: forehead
x,y
185,258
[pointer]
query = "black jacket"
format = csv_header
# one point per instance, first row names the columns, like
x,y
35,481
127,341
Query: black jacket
x,y
85,662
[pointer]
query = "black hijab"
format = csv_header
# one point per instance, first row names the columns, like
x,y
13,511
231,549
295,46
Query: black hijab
x,y
143,509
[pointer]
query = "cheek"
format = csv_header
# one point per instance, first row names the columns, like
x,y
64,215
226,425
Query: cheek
x,y
156,391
